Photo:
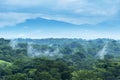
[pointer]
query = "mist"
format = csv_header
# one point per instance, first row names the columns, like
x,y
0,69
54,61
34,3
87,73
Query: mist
x,y
13,43
103,51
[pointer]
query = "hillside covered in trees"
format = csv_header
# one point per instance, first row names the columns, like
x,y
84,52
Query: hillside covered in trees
x,y
59,59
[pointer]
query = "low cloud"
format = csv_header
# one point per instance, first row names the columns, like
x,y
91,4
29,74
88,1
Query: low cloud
x,y
11,18
13,12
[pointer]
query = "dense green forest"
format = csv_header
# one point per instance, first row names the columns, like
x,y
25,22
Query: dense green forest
x,y
59,59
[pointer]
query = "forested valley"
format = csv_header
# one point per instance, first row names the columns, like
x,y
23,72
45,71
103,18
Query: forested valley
x,y
59,59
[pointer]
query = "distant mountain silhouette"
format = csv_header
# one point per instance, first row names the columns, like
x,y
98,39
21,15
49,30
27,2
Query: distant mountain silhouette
x,y
47,24
44,22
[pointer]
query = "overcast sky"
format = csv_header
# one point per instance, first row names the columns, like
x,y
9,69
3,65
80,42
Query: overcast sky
x,y
78,12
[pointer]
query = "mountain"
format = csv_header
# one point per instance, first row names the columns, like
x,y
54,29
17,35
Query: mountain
x,y
44,28
40,24
45,22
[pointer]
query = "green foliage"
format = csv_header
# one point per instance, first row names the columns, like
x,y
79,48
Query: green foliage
x,y
85,75
18,76
110,70
4,63
78,60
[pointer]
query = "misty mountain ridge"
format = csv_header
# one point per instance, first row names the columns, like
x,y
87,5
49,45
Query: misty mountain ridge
x,y
54,46
45,23
41,23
